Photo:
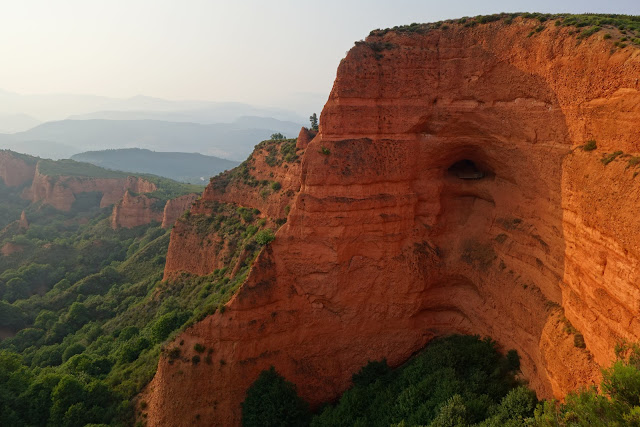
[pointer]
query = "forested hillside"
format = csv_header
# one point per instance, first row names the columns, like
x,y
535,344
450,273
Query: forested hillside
x,y
83,311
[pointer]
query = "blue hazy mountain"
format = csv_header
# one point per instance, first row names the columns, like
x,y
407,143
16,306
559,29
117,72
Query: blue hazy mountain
x,y
193,168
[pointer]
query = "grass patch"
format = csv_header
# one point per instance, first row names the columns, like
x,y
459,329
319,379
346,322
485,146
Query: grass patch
x,y
608,158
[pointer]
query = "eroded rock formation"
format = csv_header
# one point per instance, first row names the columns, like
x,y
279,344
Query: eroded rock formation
x,y
136,209
389,244
266,182
16,170
60,191
175,208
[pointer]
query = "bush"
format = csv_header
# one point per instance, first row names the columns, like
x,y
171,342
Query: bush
x,y
618,405
167,324
174,353
273,401
610,157
275,186
424,389
246,214
72,350
264,237
590,145
578,341
199,348
371,372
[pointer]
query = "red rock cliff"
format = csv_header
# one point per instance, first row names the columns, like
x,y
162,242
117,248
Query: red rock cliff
x,y
14,170
389,244
135,210
60,191
175,208
267,181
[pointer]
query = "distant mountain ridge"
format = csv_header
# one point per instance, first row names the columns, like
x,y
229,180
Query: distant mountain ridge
x,y
183,167
52,107
65,138
10,123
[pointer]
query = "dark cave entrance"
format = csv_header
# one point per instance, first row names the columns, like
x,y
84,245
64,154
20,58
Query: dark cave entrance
x,y
466,169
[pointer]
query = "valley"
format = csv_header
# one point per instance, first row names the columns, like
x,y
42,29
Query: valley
x,y
455,243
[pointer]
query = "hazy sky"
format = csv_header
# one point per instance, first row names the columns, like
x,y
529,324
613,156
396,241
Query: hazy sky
x,y
279,53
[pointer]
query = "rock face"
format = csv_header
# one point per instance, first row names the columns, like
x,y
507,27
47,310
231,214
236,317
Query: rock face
x,y
60,191
175,208
267,181
14,170
9,249
386,246
23,222
135,210
304,137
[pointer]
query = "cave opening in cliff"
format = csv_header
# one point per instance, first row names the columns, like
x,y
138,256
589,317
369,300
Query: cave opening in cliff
x,y
466,169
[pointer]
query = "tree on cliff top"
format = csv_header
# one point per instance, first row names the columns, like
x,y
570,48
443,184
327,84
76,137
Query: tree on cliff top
x,y
314,121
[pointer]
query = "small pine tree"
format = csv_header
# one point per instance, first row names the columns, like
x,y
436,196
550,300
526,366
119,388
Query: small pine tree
x,y
314,121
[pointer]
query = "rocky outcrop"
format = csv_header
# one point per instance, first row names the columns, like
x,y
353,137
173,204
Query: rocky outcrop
x,y
9,249
388,245
16,170
23,222
60,191
136,209
304,138
265,183
175,208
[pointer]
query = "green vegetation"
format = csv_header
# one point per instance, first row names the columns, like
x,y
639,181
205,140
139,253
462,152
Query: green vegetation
x,y
455,381
68,167
276,152
86,311
617,403
585,24
608,158
459,378
313,120
12,204
325,151
590,145
589,32
271,402
182,167
633,161
166,188
264,237
463,368
30,160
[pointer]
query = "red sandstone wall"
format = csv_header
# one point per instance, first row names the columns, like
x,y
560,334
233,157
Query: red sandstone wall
x,y
15,171
60,191
271,203
385,249
304,138
190,252
175,208
134,210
